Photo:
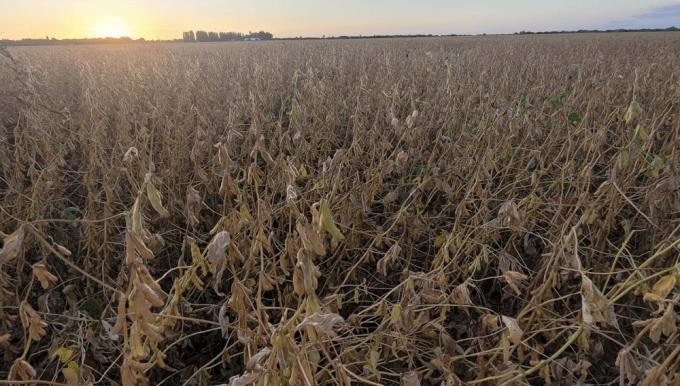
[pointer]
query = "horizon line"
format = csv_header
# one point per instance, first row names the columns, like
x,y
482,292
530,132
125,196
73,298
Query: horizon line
x,y
671,28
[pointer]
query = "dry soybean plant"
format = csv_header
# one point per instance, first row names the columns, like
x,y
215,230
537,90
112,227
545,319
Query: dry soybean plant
x,y
444,211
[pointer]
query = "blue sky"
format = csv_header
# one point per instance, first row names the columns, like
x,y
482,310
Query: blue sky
x,y
664,16
168,18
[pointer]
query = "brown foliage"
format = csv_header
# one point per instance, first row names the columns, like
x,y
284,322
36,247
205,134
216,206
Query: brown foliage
x,y
410,211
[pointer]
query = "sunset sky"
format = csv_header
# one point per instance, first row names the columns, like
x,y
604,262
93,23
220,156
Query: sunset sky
x,y
166,19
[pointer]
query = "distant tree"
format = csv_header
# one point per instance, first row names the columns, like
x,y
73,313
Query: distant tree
x,y
211,36
262,35
230,36
189,36
201,36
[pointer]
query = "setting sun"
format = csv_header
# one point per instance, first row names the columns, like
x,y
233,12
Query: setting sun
x,y
111,28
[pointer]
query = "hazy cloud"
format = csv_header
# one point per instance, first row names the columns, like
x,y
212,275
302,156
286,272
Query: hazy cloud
x,y
660,17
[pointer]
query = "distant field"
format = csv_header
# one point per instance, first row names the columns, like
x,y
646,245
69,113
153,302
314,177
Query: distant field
x,y
433,211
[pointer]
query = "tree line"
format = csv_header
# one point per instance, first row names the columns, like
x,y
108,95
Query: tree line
x,y
209,36
669,29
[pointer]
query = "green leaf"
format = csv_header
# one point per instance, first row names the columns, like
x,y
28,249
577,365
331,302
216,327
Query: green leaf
x,y
558,101
641,133
440,240
69,214
63,353
523,99
70,373
532,165
656,164
623,159
92,307
327,222
633,113
395,315
575,118
420,168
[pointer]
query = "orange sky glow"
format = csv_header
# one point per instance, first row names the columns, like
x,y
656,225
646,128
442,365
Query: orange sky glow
x,y
166,19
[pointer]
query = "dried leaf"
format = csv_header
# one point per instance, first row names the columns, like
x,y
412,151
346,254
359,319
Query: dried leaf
x,y
664,286
223,320
137,348
136,222
390,197
431,296
44,276
254,369
490,322
12,246
305,275
197,259
62,249
628,367
461,295
665,325
245,379
193,208
216,254
595,306
255,362
311,240
291,194
390,258
509,216
132,372
515,333
653,298
658,376
324,324
512,278
121,317
156,201
110,331
21,371
130,154
410,379
31,321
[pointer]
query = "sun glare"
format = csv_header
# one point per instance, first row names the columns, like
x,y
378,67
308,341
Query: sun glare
x,y
112,28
